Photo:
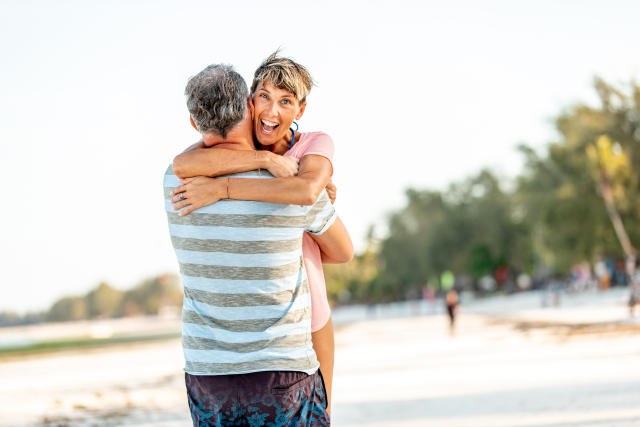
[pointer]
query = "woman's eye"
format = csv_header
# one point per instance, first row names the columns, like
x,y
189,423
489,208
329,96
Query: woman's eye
x,y
286,101
263,95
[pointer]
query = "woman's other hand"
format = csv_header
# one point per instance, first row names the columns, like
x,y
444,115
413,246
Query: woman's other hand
x,y
281,166
332,190
197,192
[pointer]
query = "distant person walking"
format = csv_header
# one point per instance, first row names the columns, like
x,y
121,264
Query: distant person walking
x,y
447,282
451,301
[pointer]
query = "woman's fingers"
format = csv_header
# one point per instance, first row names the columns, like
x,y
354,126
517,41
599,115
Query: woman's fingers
x,y
291,165
180,189
181,204
195,194
331,191
188,209
179,197
185,180
283,166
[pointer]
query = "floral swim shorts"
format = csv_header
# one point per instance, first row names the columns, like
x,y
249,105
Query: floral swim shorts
x,y
270,398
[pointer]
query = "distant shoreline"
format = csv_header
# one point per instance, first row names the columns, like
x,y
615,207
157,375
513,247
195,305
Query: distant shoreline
x,y
54,346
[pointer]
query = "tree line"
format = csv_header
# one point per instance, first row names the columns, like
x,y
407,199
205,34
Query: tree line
x,y
148,297
576,200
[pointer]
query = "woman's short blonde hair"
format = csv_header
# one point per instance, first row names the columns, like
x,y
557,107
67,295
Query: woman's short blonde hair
x,y
283,73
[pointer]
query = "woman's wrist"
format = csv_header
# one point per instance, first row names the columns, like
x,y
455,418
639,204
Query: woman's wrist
x,y
263,159
220,186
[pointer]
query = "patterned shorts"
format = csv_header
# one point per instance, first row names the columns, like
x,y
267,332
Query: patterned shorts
x,y
271,398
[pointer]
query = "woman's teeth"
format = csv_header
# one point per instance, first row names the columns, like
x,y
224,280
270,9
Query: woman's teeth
x,y
268,126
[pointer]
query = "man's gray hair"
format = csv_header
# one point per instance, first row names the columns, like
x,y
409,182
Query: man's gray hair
x,y
217,99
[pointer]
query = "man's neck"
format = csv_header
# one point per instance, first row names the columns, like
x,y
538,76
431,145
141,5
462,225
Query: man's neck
x,y
239,137
231,142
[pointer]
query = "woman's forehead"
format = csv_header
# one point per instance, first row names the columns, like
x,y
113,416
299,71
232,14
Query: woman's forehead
x,y
267,86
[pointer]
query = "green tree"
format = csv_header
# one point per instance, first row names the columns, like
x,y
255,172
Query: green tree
x,y
149,296
470,229
582,196
104,301
68,308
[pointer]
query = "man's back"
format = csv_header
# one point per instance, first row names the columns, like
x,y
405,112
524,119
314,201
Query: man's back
x,y
246,303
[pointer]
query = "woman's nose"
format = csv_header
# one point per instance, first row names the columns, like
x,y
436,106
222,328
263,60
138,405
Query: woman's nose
x,y
273,109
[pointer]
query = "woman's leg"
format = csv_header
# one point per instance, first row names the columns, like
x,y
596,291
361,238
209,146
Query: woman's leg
x,y
324,346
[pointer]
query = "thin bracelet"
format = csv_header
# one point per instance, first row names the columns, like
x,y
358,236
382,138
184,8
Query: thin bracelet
x,y
256,158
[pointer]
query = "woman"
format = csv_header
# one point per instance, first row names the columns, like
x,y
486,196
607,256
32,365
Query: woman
x,y
278,97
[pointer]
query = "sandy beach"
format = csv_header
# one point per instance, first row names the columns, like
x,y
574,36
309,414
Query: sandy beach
x,y
507,365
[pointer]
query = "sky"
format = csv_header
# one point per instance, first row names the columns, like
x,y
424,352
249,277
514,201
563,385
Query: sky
x,y
414,94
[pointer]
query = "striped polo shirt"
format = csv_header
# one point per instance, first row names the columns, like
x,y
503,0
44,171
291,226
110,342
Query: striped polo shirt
x,y
246,305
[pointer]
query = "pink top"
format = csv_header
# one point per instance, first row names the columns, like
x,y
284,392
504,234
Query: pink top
x,y
320,144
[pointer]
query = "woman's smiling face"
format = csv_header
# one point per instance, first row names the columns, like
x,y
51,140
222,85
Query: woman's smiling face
x,y
274,110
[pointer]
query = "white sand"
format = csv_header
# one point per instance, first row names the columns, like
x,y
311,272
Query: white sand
x,y
394,372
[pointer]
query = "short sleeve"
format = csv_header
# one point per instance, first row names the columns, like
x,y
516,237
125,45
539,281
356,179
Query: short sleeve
x,y
314,143
319,144
321,215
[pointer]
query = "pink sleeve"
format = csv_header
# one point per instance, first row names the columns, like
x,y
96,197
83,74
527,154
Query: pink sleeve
x,y
320,144
316,143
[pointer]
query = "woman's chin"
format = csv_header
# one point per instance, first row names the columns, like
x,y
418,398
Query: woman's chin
x,y
268,138
266,142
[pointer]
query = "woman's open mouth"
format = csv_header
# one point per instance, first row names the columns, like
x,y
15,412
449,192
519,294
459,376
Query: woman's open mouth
x,y
268,127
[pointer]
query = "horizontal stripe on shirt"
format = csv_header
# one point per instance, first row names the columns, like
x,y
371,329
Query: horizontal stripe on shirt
x,y
228,286
219,356
223,259
239,221
231,233
253,325
244,312
286,341
247,299
241,273
235,247
202,331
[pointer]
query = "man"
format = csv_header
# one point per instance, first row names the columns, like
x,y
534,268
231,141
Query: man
x,y
246,312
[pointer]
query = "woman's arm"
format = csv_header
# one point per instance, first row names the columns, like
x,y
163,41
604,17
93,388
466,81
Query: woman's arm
x,y
313,175
199,161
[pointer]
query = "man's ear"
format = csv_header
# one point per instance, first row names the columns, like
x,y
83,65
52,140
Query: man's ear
x,y
301,112
250,104
193,123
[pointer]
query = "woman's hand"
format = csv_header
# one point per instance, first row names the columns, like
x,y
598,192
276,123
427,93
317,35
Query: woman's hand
x,y
197,192
332,190
281,166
